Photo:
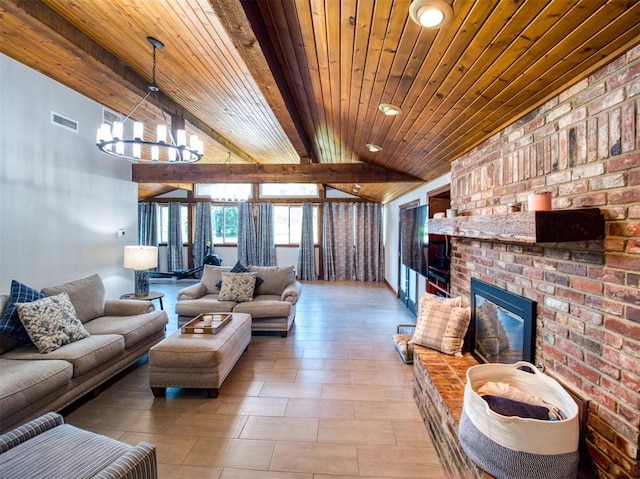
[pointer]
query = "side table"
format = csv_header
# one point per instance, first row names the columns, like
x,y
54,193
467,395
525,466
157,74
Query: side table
x,y
149,297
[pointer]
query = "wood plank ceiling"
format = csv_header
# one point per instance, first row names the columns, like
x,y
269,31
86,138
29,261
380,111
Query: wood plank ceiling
x,y
299,81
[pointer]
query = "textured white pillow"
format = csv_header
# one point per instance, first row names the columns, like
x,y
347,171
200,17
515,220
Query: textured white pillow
x,y
237,287
51,322
442,324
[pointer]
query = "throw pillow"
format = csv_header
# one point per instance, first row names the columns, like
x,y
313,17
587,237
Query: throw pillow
x,y
212,277
51,322
237,287
10,324
442,324
239,268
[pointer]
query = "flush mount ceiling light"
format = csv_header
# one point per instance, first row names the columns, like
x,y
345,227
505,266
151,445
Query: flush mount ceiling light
x,y
373,148
430,13
166,149
389,109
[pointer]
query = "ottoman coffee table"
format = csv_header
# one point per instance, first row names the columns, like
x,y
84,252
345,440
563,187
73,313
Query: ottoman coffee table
x,y
198,360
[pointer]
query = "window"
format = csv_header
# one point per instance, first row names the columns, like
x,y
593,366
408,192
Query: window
x,y
220,192
224,222
287,224
279,190
163,223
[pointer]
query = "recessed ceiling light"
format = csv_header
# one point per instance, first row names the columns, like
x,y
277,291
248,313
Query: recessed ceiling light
x,y
389,109
373,148
430,13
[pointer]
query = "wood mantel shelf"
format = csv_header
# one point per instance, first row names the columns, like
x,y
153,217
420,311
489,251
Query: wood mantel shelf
x,y
528,227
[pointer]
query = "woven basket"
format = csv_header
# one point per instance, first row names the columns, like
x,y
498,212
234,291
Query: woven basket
x,y
515,447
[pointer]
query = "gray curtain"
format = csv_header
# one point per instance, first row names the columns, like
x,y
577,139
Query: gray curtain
x,y
266,248
174,246
306,253
338,242
247,246
369,245
202,233
148,224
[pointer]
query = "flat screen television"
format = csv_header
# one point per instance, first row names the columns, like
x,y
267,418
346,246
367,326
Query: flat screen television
x,y
414,242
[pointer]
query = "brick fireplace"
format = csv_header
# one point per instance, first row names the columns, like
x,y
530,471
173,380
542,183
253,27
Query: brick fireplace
x,y
584,147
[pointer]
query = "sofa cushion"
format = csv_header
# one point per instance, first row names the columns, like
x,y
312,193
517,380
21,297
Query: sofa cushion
x,y
211,276
265,308
237,287
207,304
442,324
10,324
87,296
51,322
25,382
84,355
63,451
134,329
275,278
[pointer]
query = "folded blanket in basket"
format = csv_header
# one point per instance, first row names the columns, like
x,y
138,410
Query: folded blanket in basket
x,y
505,390
509,407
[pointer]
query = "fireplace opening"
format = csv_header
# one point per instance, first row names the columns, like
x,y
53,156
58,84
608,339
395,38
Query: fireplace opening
x,y
502,328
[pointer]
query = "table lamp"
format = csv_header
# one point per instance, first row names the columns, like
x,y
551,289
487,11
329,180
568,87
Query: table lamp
x,y
141,259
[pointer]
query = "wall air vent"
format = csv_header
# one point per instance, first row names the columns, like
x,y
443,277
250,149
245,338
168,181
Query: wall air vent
x,y
108,116
64,122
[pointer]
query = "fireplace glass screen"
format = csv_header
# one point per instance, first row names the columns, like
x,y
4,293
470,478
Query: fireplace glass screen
x,y
502,325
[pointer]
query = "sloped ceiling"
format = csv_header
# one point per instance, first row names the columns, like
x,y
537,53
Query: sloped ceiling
x,y
293,82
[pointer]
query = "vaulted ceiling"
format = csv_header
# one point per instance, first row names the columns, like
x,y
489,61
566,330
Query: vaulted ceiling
x,y
295,82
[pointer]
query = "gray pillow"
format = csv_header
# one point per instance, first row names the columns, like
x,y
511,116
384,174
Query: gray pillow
x,y
87,296
211,276
51,322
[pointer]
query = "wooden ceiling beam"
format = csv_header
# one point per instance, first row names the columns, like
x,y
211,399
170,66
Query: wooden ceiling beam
x,y
268,173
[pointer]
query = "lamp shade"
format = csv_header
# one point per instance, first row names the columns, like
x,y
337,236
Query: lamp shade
x,y
140,257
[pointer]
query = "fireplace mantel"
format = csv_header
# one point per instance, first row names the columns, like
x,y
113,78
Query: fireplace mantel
x,y
527,227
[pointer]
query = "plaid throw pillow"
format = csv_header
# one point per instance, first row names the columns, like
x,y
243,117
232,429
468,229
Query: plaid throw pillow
x,y
10,324
442,324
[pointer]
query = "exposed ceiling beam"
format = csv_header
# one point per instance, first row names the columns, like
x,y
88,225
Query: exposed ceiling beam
x,y
254,48
268,173
29,11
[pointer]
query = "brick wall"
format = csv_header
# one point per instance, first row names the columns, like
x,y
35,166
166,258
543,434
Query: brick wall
x,y
584,147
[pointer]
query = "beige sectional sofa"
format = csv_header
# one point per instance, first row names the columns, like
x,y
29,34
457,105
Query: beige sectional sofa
x,y
273,306
120,333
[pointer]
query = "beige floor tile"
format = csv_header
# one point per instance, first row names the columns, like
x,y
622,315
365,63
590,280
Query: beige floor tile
x,y
170,449
327,354
313,457
281,429
208,425
325,377
274,375
231,387
389,410
356,432
382,378
300,363
296,390
233,453
320,408
351,364
353,392
399,461
247,474
411,433
177,471
250,406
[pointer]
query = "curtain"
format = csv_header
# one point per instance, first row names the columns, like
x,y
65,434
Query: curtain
x,y
368,241
247,246
338,242
306,253
174,246
202,233
265,248
148,224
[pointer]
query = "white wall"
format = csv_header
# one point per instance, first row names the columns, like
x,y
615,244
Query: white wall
x,y
392,237
61,200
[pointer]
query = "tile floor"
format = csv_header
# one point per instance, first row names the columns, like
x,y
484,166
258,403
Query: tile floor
x,y
331,401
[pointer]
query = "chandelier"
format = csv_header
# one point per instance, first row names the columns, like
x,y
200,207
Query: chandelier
x,y
111,138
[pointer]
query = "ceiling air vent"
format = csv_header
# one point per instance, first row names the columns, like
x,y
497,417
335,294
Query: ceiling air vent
x,y
64,122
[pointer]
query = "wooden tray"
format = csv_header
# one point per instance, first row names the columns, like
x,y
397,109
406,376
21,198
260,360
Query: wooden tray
x,y
196,325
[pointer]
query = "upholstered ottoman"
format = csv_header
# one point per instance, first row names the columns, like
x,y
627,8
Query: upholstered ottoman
x,y
198,360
